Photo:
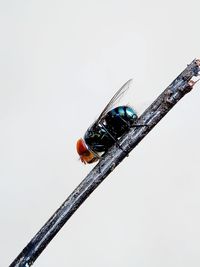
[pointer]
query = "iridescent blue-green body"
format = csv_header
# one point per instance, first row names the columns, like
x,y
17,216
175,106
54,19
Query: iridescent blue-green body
x,y
103,134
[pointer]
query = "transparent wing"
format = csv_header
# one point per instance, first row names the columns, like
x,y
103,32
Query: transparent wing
x,y
114,99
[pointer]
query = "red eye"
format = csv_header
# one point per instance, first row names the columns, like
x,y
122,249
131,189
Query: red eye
x,y
86,156
81,147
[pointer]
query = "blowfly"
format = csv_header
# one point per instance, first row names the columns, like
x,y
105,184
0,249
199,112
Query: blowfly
x,y
112,123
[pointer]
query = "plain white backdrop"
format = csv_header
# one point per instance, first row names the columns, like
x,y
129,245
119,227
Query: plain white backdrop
x,y
60,63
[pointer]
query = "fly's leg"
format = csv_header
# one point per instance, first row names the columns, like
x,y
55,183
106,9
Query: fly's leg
x,y
99,168
139,125
114,139
133,125
128,124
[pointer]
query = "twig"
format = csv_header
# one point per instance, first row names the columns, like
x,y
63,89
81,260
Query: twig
x,y
157,110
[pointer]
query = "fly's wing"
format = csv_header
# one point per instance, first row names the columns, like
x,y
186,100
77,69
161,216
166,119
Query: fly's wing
x,y
114,99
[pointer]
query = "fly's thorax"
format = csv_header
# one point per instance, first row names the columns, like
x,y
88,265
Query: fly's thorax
x,y
97,137
93,132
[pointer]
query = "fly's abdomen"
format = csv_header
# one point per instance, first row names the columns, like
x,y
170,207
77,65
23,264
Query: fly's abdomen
x,y
99,137
120,119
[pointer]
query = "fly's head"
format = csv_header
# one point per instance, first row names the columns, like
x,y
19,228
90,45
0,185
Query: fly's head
x,y
86,156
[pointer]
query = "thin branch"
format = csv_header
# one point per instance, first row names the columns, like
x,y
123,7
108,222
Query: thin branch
x,y
157,110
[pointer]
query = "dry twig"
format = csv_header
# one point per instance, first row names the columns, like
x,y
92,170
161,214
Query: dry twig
x,y
156,111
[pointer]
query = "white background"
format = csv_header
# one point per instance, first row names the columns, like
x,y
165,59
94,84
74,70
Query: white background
x,y
60,63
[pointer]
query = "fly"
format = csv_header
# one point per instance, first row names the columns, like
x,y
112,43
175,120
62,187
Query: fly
x,y
107,129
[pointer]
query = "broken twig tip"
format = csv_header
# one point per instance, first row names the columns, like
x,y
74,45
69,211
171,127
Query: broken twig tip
x,y
198,61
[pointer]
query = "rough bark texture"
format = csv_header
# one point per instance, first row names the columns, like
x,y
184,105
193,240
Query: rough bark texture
x,y
157,110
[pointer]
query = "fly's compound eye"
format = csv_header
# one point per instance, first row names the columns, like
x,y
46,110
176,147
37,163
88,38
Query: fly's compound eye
x,y
81,147
86,156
